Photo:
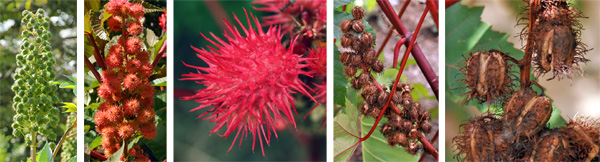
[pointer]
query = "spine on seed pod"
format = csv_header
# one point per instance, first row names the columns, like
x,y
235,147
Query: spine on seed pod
x,y
127,110
402,128
34,92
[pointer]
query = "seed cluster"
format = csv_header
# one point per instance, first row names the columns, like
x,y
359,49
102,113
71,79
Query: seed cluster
x,y
556,33
521,132
35,95
402,128
127,109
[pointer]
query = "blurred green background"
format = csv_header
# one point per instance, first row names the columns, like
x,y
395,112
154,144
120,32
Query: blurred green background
x,y
192,142
63,28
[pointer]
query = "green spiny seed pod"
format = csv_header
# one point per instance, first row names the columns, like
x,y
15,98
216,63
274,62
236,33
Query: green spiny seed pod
x,y
33,102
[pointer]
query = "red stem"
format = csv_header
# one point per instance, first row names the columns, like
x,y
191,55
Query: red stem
x,y
525,63
433,9
451,2
422,62
432,140
93,69
160,54
99,58
394,107
389,34
428,146
397,51
98,156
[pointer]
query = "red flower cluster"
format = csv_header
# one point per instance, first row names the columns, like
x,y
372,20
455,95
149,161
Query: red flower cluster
x,y
128,105
249,82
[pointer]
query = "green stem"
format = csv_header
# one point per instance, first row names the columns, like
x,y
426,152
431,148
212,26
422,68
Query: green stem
x,y
33,146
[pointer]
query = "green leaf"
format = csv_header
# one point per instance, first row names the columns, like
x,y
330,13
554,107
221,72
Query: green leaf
x,y
159,82
45,154
133,142
93,106
86,127
97,141
388,76
70,107
151,38
556,120
93,85
339,3
339,79
434,112
73,159
87,23
116,157
345,120
376,148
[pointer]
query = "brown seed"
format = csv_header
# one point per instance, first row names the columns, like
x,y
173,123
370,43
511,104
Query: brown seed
x,y
377,66
345,58
552,146
356,45
347,40
358,12
346,25
369,56
349,71
375,113
372,99
367,39
357,26
396,98
397,138
386,129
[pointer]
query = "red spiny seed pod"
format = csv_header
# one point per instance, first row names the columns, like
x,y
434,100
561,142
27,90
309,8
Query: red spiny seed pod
x,y
114,60
487,76
377,66
527,113
476,140
134,28
133,46
276,80
114,23
115,6
346,25
131,107
358,13
552,145
349,71
557,46
131,81
148,131
136,10
358,26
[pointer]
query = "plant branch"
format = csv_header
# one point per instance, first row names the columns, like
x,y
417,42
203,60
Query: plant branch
x,y
389,34
433,9
433,141
97,56
422,62
98,156
93,69
397,51
63,138
33,146
428,146
160,54
525,63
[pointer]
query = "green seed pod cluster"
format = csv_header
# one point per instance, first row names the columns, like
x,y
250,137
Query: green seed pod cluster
x,y
35,95
69,147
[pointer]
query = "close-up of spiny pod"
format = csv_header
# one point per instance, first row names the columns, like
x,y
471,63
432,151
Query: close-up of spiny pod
x,y
127,108
516,125
403,126
33,86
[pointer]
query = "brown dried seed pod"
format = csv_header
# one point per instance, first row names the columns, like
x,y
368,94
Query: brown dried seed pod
x,y
557,46
552,145
406,126
386,129
367,39
377,66
487,76
372,99
365,109
364,78
383,97
396,98
414,147
347,40
355,83
476,140
356,45
345,58
369,56
358,13
349,71
346,25
425,116
375,112
527,113
368,89
425,127
414,133
584,134
358,26
397,138
355,60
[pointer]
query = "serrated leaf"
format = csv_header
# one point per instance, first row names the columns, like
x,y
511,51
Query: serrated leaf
x,y
159,82
97,141
97,27
87,22
151,38
70,107
45,154
340,80
343,140
148,8
93,106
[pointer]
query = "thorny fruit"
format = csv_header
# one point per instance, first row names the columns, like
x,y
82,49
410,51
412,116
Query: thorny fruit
x,y
487,76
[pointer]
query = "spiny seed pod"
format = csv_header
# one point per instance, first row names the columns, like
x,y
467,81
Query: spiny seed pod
x,y
382,97
377,66
584,135
557,46
364,78
358,26
476,140
35,95
368,90
367,39
397,138
355,60
365,109
346,25
349,71
369,56
356,84
552,145
487,76
347,40
358,13
375,112
526,113
345,58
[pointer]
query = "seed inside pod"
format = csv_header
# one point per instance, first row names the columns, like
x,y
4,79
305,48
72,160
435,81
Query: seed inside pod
x,y
367,39
369,56
347,40
345,58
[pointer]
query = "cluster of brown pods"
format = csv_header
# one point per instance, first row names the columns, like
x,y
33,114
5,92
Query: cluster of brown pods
x,y
127,110
403,126
521,133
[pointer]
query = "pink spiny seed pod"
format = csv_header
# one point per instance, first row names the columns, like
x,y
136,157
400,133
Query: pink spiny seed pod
x,y
114,60
133,45
116,114
131,107
125,131
136,10
243,96
145,115
134,28
115,6
114,23
131,81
